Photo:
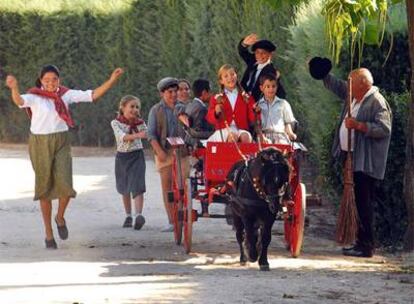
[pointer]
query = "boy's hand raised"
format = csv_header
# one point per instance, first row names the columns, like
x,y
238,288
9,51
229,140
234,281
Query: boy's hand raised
x,y
250,39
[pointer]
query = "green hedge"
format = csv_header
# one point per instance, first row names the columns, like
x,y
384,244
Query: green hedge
x,y
391,216
151,39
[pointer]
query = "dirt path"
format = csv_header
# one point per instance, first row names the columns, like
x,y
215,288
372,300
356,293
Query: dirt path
x,y
104,263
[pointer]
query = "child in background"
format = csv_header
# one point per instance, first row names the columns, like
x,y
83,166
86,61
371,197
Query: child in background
x,y
276,114
231,111
129,129
183,96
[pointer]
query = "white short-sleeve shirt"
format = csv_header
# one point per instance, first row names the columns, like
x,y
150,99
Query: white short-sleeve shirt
x,y
45,119
276,115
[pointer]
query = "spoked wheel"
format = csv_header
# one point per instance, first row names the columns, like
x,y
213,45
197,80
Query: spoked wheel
x,y
188,217
177,214
177,203
295,222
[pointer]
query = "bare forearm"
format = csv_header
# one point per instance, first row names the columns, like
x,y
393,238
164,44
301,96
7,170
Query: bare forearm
x,y
289,131
101,90
157,147
17,99
132,137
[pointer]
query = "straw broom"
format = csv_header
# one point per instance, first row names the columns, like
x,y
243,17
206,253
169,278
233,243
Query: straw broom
x,y
347,223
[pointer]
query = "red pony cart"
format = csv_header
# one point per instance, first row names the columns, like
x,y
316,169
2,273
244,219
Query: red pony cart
x,y
208,176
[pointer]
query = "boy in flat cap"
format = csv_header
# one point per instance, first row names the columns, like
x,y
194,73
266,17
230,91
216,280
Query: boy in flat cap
x,y
258,63
163,123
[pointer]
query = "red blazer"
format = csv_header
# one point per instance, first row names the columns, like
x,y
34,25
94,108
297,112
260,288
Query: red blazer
x,y
243,114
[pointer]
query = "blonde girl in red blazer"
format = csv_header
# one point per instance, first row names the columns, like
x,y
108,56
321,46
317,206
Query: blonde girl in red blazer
x,y
231,111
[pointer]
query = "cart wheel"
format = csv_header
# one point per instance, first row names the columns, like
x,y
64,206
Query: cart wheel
x,y
188,217
297,224
288,228
176,205
177,216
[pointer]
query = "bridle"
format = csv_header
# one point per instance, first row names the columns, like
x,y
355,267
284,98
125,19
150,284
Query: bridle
x,y
257,183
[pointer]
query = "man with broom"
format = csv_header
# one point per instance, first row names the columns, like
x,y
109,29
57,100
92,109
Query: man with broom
x,y
368,116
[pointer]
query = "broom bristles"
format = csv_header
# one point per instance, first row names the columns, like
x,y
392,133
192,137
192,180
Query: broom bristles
x,y
347,224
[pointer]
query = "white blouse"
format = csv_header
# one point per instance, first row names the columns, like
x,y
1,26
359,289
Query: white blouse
x,y
45,119
120,130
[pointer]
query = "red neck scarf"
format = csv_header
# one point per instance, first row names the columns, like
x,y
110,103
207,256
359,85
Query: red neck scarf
x,y
60,106
133,124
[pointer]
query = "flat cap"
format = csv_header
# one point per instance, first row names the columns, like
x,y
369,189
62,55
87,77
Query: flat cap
x,y
319,67
265,45
166,83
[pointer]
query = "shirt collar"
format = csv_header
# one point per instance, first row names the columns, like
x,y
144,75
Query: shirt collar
x,y
275,99
371,91
235,91
199,100
260,66
164,104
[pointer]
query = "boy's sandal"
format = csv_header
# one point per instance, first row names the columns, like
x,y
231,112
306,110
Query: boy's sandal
x,y
62,230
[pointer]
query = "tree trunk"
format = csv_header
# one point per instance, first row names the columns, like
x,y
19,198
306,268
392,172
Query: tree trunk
x,y
409,168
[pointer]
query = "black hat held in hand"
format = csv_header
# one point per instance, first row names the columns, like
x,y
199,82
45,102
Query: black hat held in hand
x,y
319,67
265,45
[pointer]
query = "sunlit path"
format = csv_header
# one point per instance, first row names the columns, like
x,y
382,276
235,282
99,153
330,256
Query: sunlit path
x,y
104,263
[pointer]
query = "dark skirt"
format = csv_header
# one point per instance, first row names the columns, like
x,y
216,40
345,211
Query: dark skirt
x,y
130,172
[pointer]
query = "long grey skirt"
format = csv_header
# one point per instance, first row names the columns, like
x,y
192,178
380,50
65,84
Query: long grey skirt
x,y
130,172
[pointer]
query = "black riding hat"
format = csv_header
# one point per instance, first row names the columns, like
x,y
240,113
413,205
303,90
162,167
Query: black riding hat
x,y
265,45
319,67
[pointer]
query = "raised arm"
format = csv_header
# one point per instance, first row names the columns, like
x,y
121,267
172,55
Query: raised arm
x,y
103,88
244,52
12,84
337,86
319,69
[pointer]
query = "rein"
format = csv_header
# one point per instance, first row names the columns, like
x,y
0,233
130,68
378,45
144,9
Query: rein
x,y
244,157
261,193
258,129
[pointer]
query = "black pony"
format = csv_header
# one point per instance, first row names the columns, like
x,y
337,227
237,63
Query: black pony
x,y
255,189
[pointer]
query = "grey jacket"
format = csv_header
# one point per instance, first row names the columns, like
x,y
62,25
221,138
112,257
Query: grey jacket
x,y
197,111
370,148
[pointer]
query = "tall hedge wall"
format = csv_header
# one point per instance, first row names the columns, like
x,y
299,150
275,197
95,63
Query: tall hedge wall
x,y
150,39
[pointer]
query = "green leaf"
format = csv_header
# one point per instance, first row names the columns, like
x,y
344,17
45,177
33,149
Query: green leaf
x,y
372,33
